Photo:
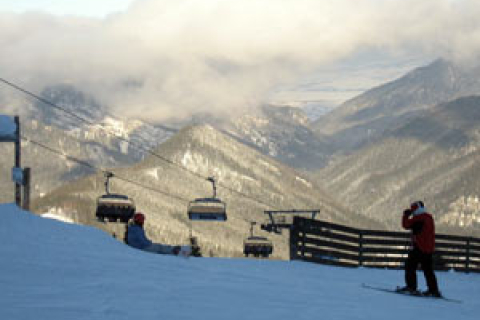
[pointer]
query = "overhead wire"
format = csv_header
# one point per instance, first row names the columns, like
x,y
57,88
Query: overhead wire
x,y
130,142
91,166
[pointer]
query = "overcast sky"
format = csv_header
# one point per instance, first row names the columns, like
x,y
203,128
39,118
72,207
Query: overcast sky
x,y
88,8
161,58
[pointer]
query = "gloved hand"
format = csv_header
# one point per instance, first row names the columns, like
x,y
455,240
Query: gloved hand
x,y
407,212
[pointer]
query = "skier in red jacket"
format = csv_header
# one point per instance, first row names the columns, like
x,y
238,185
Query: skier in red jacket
x,y
422,225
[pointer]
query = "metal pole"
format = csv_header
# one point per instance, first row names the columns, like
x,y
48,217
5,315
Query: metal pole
x,y
293,240
18,186
26,189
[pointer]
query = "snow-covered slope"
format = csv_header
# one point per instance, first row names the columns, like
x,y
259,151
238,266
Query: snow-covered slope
x,y
52,270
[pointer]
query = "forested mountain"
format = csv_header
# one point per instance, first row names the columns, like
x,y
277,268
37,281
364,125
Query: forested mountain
x,y
283,133
432,157
248,182
393,144
91,135
361,120
77,125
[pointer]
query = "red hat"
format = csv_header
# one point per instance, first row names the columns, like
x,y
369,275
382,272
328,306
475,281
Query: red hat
x,y
139,218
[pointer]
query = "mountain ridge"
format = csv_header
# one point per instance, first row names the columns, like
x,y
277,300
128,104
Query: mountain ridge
x,y
247,180
364,118
431,157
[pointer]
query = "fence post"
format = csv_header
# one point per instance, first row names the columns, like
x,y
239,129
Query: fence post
x,y
294,240
467,261
304,235
360,248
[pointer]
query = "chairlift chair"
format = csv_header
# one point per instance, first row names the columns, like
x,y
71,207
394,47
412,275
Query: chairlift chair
x,y
114,207
257,246
209,209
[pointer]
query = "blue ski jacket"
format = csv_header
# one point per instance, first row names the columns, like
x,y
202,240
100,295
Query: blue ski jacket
x,y
137,238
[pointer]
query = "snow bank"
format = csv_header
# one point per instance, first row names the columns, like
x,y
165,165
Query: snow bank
x,y
53,270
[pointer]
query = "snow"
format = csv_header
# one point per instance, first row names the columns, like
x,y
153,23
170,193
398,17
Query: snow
x,y
124,147
57,217
268,166
305,182
57,214
153,173
187,158
7,126
53,270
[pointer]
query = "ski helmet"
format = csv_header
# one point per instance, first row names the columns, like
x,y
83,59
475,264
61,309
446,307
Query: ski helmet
x,y
139,218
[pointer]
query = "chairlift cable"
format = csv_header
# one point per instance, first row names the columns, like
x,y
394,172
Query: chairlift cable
x,y
135,145
89,165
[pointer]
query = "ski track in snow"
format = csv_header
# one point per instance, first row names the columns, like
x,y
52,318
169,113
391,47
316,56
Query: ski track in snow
x,y
53,270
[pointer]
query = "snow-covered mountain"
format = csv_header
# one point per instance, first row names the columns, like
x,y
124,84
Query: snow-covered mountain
x,y
283,133
432,157
100,126
105,140
248,182
101,140
362,119
52,270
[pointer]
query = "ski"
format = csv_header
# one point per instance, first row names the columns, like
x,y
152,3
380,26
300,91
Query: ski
x,y
412,294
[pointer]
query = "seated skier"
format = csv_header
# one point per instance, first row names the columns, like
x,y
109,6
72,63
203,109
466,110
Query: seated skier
x,y
136,238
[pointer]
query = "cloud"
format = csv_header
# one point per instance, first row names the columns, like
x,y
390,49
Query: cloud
x,y
163,58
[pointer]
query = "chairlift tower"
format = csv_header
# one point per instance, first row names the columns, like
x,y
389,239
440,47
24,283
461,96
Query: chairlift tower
x,y
278,222
278,219
21,177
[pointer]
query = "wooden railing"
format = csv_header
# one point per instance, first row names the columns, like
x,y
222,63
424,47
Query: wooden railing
x,y
329,243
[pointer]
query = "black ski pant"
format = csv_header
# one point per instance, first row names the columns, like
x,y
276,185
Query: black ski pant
x,y
416,257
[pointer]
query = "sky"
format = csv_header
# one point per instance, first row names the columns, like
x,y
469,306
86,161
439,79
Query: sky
x,y
161,59
88,8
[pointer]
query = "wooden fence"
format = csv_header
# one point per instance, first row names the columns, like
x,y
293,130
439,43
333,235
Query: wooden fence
x,y
329,243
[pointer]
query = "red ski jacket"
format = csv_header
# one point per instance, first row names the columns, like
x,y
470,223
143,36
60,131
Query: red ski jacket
x,y
423,231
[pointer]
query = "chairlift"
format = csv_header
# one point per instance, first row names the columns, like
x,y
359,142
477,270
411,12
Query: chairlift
x,y
114,207
257,246
209,209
